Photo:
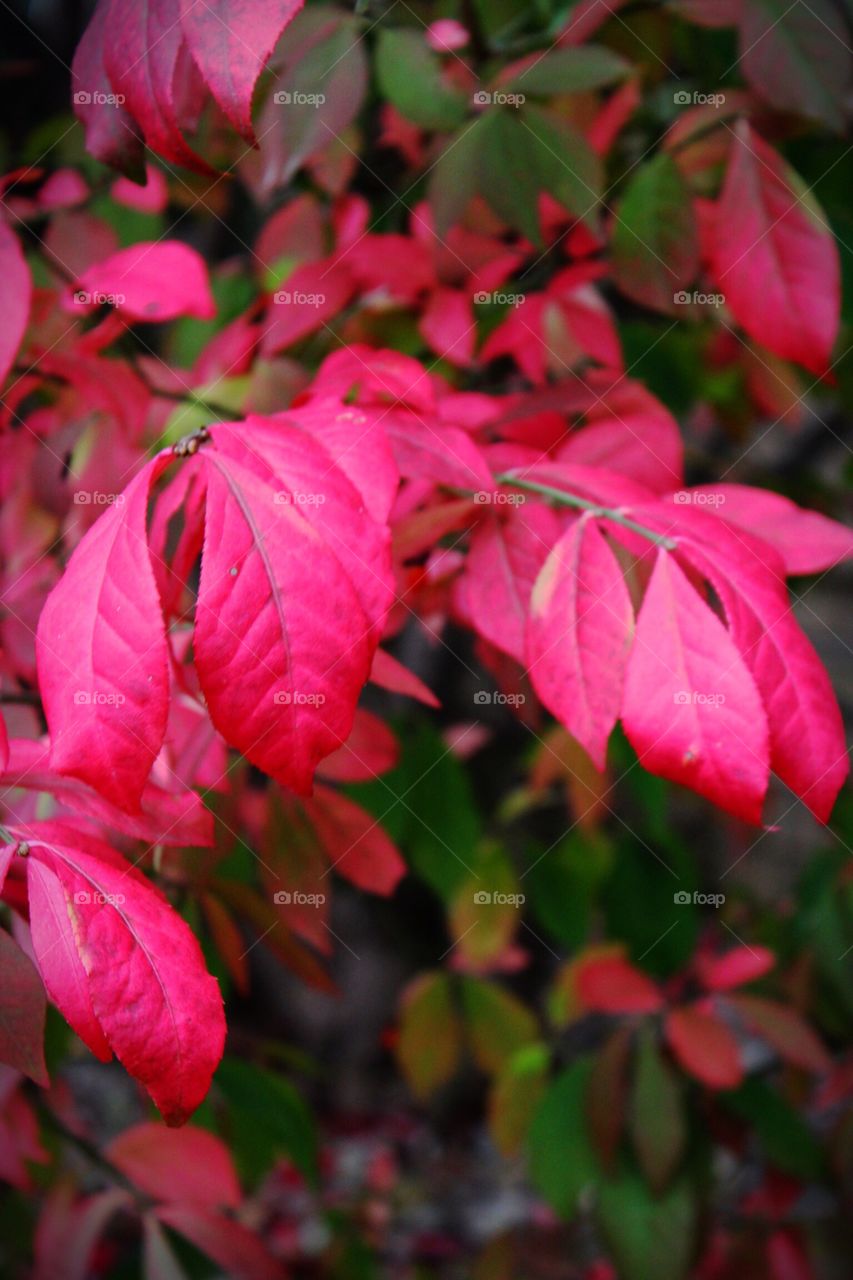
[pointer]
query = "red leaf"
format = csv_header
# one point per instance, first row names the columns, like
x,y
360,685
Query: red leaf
x,y
358,847
437,452
735,968
102,654
579,634
231,43
784,1029
311,296
187,1166
448,326
17,291
143,41
390,674
357,440
611,985
505,556
112,135
281,642
237,1250
774,257
691,709
124,968
22,1006
369,751
150,281
68,1233
705,1047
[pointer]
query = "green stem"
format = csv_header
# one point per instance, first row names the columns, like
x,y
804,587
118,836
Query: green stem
x,y
583,504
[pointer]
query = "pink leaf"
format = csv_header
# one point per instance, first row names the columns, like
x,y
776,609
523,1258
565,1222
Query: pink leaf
x,y
433,451
281,642
231,43
357,440
369,751
311,296
236,1249
187,1166
579,635
705,1047
775,258
807,541
68,1233
505,555
102,654
124,969
807,742
691,709
17,291
22,1007
735,968
306,479
150,281
612,985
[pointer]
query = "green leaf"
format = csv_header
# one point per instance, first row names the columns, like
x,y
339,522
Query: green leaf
x,y
508,166
655,243
409,76
640,904
518,1087
657,1120
562,1159
430,1040
562,886
797,56
497,1023
566,165
786,1140
571,70
647,1236
484,912
268,1118
454,180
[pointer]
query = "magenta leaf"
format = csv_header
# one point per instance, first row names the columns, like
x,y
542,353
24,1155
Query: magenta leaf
x,y
282,644
774,256
579,635
691,708
102,654
150,281
123,967
17,289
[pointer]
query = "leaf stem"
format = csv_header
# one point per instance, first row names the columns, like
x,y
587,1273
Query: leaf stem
x,y
583,504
